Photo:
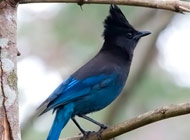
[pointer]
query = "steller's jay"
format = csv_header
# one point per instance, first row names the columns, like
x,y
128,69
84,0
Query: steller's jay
x,y
96,84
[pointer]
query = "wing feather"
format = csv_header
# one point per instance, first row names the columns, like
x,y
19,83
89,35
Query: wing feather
x,y
73,89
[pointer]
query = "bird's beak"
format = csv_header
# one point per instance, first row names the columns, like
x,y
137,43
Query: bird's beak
x,y
142,33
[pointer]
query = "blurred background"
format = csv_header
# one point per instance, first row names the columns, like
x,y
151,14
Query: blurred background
x,y
56,39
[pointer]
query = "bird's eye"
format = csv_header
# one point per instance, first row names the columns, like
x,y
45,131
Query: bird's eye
x,y
129,35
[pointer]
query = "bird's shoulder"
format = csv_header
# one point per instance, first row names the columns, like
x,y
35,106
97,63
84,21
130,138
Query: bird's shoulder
x,y
103,63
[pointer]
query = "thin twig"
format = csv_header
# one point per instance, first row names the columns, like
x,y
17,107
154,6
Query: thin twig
x,y
173,5
141,120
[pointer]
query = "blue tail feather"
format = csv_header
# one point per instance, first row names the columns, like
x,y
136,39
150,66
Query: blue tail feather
x,y
62,117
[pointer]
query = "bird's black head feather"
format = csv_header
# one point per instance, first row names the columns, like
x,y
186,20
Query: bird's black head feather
x,y
115,22
119,35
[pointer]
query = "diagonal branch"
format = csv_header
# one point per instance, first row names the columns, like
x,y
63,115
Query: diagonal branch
x,y
141,120
173,5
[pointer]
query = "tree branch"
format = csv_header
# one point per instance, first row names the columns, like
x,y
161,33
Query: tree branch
x,y
173,5
141,120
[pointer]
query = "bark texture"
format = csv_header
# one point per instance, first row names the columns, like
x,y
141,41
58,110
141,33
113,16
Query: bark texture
x,y
9,124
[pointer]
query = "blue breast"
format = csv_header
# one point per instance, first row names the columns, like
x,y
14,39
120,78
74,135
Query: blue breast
x,y
100,96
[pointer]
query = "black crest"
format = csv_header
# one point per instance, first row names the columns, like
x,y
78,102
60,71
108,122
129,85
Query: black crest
x,y
115,22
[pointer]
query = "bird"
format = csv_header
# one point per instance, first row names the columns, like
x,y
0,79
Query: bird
x,y
100,81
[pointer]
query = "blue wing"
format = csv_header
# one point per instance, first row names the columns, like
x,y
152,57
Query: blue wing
x,y
73,89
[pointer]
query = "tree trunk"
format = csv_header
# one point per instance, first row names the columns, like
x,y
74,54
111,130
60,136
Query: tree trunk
x,y
9,122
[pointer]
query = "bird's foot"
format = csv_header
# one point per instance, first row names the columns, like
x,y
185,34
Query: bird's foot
x,y
102,128
98,134
86,134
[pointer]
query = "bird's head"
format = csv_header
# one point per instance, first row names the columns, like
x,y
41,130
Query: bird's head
x,y
118,31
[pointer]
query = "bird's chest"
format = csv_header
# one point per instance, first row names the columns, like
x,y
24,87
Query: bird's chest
x,y
99,98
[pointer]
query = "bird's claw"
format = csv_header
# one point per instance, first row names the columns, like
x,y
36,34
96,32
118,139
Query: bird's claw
x,y
86,134
102,127
98,134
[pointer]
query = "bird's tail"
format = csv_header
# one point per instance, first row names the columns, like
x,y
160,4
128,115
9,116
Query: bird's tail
x,y
62,117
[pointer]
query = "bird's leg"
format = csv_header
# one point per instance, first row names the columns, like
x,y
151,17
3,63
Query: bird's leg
x,y
79,127
102,126
85,133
